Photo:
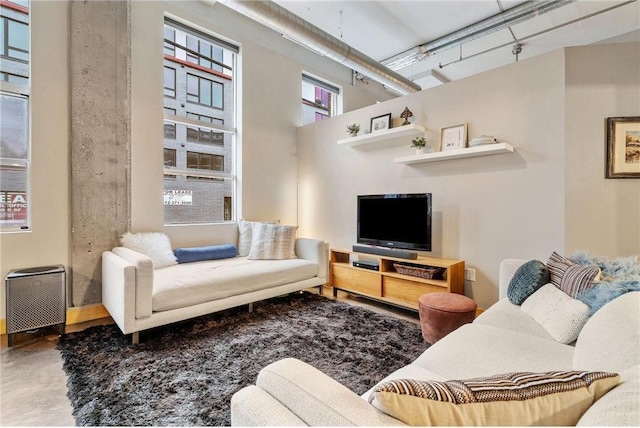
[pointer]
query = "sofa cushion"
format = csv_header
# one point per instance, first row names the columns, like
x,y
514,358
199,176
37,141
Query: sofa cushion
x,y
562,316
209,252
273,242
528,278
610,340
571,278
504,314
476,350
245,235
191,283
155,245
553,398
618,407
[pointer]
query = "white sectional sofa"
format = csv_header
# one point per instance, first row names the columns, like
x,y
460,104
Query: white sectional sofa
x,y
139,297
503,339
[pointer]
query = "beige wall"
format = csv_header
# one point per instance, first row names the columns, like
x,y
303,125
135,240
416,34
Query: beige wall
x,y
602,215
48,241
548,195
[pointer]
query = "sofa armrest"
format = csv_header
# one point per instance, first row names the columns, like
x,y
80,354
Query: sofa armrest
x,y
508,268
119,290
252,407
144,280
314,250
316,398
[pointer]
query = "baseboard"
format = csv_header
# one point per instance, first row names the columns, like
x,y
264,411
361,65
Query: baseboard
x,y
80,314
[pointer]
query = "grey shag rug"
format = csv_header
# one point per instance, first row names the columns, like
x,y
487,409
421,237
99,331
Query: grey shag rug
x,y
185,374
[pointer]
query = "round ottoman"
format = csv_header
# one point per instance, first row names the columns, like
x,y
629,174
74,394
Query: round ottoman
x,y
441,313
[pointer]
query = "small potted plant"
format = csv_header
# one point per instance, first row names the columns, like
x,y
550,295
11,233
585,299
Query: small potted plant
x,y
353,129
419,144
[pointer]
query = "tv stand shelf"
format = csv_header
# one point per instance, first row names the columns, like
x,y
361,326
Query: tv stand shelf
x,y
386,284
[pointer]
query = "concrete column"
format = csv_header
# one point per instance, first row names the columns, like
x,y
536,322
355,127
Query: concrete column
x,y
100,138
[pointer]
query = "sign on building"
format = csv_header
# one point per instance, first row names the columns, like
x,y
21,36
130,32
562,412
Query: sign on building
x,y
178,197
13,208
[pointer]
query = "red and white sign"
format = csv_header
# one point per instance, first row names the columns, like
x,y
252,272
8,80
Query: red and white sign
x,y
13,209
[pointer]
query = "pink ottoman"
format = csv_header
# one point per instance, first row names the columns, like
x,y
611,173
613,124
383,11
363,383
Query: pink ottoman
x,y
441,313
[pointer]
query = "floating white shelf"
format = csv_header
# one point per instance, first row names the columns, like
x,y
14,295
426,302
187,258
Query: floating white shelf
x,y
469,152
410,130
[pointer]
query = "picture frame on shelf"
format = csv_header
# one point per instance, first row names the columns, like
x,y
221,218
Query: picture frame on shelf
x,y
381,122
453,137
623,147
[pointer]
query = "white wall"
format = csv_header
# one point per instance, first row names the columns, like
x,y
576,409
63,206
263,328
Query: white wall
x,y
486,208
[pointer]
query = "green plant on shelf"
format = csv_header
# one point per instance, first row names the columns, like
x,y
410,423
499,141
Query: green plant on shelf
x,y
418,142
353,129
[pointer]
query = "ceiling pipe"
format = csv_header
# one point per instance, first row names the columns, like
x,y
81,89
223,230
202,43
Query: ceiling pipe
x,y
509,17
300,31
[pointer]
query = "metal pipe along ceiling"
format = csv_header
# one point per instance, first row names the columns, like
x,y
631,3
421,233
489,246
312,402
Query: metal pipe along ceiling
x,y
512,16
300,31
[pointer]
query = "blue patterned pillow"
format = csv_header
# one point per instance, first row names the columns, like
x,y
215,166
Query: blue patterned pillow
x,y
527,280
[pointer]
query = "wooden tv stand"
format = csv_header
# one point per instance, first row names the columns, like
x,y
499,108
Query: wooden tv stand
x,y
386,284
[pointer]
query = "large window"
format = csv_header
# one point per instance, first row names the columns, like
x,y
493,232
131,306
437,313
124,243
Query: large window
x,y
320,99
15,152
199,127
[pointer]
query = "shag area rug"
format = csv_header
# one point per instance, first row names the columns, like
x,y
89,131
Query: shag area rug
x,y
185,374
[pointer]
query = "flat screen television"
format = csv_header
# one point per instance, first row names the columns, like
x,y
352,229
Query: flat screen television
x,y
395,221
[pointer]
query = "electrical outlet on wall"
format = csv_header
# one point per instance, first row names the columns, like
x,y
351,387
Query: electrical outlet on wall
x,y
470,274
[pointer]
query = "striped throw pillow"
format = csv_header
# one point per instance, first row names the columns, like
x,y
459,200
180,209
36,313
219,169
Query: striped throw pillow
x,y
524,398
569,277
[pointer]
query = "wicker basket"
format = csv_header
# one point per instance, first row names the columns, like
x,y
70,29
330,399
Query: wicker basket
x,y
427,272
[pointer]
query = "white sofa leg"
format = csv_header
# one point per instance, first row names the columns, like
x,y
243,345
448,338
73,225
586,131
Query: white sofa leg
x,y
251,307
135,338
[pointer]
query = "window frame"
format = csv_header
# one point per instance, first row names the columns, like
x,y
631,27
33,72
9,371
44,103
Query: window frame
x,y
19,68
215,125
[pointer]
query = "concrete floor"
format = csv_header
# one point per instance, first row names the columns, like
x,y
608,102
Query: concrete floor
x,y
33,385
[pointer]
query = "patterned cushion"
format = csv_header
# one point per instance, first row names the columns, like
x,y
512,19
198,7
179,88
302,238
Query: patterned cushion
x,y
273,242
155,245
528,278
571,278
559,314
552,398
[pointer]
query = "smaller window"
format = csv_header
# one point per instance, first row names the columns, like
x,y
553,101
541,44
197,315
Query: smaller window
x,y
169,82
320,99
204,91
196,160
170,158
169,131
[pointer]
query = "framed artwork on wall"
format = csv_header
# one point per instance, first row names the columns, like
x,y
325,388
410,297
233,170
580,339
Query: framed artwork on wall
x,y
623,147
379,123
453,137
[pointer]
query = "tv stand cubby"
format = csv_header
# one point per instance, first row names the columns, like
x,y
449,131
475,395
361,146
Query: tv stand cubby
x,y
389,286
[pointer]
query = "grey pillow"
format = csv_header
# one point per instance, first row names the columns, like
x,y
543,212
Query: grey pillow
x,y
527,280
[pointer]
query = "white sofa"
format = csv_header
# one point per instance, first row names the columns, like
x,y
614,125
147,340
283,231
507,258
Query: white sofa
x,y
139,297
503,339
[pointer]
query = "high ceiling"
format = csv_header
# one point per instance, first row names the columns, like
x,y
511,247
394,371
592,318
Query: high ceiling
x,y
384,29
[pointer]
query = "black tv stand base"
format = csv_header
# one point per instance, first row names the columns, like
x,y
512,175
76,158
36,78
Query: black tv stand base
x,y
389,252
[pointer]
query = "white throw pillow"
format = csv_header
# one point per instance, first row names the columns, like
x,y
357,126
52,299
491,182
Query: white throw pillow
x,y
558,313
273,242
244,237
155,245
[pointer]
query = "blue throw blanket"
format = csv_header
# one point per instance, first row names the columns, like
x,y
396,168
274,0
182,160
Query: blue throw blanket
x,y
618,277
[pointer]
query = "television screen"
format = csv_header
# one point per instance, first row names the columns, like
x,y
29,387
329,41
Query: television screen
x,y
395,220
